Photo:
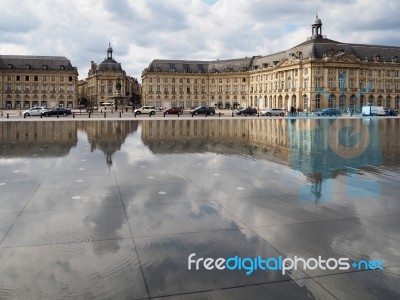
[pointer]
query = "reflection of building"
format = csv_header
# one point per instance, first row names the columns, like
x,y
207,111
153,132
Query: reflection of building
x,y
316,74
318,148
101,84
52,139
29,81
108,136
37,139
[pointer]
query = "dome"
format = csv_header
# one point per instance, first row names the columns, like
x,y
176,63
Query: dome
x,y
317,21
109,65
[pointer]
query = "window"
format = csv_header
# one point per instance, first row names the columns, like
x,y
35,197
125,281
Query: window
x,y
331,101
318,83
158,80
330,83
220,80
61,78
166,80
70,86
53,78
150,88
8,87
26,78
318,101
318,70
342,101
243,79
306,83
150,80
342,84
188,81
70,78
351,83
17,78
173,80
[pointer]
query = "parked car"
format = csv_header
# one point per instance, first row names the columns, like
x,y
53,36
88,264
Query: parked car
x,y
273,112
203,110
329,112
36,111
247,111
173,111
390,112
57,111
145,110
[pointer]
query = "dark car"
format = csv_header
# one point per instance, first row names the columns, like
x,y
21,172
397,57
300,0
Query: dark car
x,y
390,112
173,111
57,111
247,111
203,110
329,112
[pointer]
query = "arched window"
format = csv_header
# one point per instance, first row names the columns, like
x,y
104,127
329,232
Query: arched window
x,y
388,101
380,100
318,101
331,101
342,101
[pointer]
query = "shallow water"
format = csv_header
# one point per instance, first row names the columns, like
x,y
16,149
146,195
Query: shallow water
x,y
113,209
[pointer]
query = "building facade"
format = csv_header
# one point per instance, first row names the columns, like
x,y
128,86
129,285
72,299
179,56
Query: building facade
x,y
108,82
315,74
29,81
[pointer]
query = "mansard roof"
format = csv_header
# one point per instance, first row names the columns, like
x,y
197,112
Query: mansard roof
x,y
35,62
192,66
321,47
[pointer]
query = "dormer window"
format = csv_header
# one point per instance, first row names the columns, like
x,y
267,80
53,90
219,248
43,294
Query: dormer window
x,y
62,67
28,67
45,67
10,66
395,59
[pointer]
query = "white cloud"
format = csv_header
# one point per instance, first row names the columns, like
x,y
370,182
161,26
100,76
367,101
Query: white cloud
x,y
143,30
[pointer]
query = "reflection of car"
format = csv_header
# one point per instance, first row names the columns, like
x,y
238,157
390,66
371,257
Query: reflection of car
x,y
329,112
247,111
273,112
173,110
203,110
146,110
36,111
390,112
108,104
57,111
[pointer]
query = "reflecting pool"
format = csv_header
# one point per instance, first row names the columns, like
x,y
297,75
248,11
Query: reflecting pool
x,y
143,209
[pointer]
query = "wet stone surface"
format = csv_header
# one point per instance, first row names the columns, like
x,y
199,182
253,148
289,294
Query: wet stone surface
x,y
125,209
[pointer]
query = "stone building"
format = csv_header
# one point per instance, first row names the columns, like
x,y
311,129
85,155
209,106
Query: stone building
x,y
29,81
315,74
108,82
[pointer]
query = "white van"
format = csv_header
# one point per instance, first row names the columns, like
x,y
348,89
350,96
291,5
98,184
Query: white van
x,y
371,110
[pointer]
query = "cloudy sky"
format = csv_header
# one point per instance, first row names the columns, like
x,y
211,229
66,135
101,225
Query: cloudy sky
x,y
143,30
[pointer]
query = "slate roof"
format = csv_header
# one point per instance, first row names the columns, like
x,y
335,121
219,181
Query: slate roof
x,y
317,47
192,66
35,62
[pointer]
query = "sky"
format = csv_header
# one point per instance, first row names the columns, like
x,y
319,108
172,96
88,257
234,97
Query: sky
x,y
143,30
